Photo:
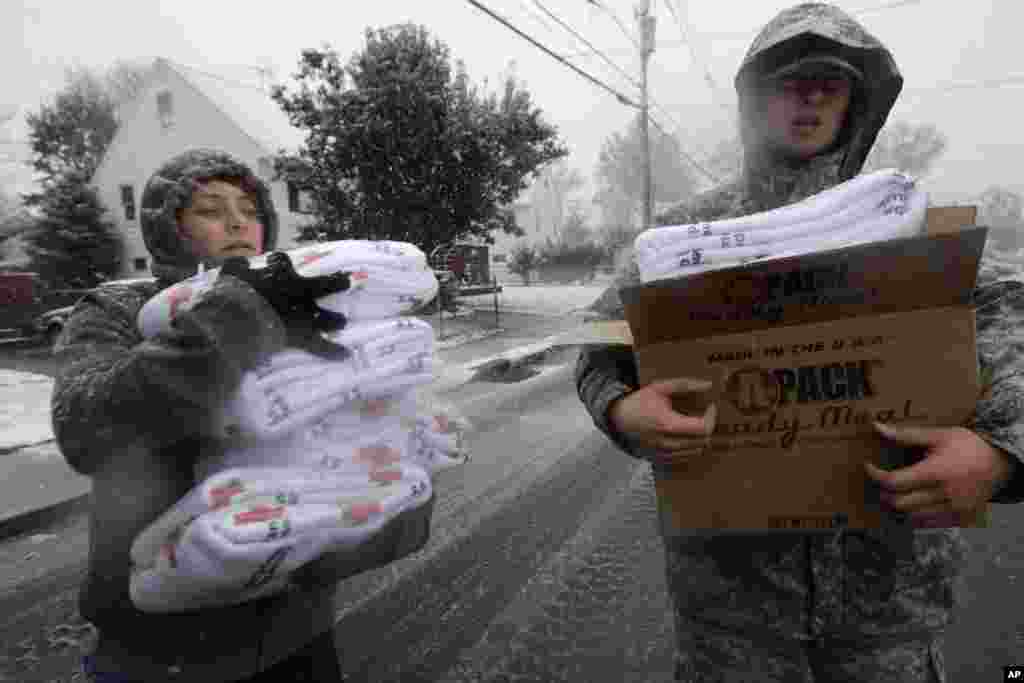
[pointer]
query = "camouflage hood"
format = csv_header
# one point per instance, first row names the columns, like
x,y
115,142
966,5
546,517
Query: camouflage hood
x,y
809,30
820,30
170,188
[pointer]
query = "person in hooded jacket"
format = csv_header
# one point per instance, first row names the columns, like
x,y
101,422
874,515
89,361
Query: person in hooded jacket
x,y
134,414
814,90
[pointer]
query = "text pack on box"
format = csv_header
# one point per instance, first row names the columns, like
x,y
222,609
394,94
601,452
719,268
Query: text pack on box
x,y
804,354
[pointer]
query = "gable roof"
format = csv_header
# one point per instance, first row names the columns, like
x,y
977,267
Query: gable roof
x,y
248,106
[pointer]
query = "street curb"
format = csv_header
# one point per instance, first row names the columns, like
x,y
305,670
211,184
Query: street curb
x,y
507,400
41,518
482,369
7,450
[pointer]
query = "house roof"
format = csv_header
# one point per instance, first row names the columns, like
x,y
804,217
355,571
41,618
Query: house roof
x,y
249,106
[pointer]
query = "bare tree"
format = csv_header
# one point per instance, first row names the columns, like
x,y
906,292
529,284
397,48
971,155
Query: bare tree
x,y
619,173
726,159
999,207
7,141
910,148
554,189
125,81
71,134
1002,211
576,232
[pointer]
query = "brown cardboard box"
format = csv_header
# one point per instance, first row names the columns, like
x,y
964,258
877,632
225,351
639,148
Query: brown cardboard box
x,y
804,353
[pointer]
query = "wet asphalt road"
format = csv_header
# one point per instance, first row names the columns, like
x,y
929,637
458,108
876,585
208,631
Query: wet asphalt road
x,y
543,566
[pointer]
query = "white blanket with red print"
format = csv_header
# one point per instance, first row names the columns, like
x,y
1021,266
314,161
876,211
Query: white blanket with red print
x,y
877,206
319,455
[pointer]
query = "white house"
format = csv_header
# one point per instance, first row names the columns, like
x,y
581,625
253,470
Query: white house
x,y
541,218
182,108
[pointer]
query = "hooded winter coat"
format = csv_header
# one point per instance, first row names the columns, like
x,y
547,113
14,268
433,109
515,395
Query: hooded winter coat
x,y
874,586
134,414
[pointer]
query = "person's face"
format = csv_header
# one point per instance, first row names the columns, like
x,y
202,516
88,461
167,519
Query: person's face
x,y
222,220
802,116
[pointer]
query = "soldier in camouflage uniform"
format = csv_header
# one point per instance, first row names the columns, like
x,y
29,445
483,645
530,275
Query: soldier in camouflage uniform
x,y
134,414
865,606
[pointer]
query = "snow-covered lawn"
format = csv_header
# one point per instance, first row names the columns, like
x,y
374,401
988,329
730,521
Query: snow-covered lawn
x,y
24,408
539,299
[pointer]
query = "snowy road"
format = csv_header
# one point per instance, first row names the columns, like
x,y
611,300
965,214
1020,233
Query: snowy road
x,y
502,589
543,566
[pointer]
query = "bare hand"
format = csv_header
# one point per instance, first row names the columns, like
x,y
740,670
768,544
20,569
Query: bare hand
x,y
646,418
959,474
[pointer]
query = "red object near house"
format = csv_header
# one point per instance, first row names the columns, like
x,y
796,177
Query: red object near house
x,y
18,289
470,263
20,300
457,263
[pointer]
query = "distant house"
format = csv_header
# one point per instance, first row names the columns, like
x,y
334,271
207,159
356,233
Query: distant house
x,y
530,219
537,230
182,108
539,220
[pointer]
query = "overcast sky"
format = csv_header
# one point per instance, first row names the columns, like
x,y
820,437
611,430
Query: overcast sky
x,y
935,42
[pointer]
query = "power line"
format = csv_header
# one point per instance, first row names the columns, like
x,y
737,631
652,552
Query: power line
x,y
672,11
586,42
693,162
1017,79
625,100
855,12
615,18
533,15
749,33
604,86
884,6
696,164
966,85
583,40
688,39
209,74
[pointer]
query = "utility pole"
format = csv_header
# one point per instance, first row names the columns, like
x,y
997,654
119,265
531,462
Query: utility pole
x,y
646,23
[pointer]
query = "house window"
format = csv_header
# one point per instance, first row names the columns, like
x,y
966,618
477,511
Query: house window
x,y
265,168
299,200
293,197
128,202
165,108
140,264
499,258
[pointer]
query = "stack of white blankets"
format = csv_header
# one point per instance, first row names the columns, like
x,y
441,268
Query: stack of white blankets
x,y
321,454
873,207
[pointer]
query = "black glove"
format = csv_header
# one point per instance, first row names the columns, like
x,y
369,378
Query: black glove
x,y
294,297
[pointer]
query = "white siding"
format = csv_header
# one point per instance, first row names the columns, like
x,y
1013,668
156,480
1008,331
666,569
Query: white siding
x,y
142,144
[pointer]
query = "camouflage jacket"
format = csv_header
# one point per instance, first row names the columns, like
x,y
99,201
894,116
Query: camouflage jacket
x,y
873,586
853,585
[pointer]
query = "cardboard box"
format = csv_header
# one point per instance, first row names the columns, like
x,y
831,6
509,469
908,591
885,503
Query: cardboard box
x,y
804,353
